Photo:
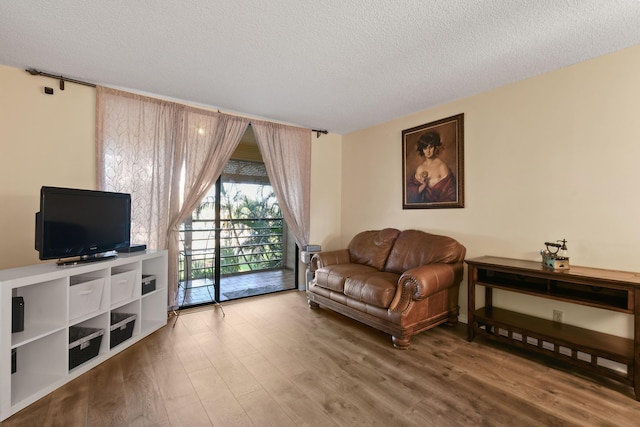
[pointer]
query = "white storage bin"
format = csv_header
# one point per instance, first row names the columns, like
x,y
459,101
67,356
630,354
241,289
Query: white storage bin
x,y
85,297
122,286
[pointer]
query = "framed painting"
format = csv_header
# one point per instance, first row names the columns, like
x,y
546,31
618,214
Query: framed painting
x,y
433,165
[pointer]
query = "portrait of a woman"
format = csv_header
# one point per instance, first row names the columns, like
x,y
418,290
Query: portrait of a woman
x,y
431,179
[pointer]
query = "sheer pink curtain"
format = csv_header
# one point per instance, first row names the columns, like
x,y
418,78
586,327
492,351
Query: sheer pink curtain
x,y
135,141
209,141
286,151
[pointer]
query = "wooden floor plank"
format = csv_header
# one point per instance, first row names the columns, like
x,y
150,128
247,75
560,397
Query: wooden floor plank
x,y
145,406
263,410
187,411
106,398
300,409
226,411
333,399
35,414
69,405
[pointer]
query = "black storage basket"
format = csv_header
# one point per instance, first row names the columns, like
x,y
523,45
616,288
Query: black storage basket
x,y
84,344
121,328
148,283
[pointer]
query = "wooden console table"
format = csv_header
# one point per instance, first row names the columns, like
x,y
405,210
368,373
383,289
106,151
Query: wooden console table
x,y
604,354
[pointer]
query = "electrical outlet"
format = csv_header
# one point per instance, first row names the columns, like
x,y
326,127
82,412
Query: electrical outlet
x,y
557,316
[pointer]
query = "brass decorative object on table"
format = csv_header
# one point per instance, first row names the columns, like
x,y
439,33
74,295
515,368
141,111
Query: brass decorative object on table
x,y
556,255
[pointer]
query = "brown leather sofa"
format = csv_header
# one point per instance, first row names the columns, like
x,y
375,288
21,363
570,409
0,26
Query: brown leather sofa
x,y
400,282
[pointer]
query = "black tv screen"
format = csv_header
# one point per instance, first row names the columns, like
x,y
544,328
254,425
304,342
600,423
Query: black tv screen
x,y
81,223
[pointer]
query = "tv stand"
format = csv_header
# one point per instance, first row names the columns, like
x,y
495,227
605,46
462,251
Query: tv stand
x,y
599,353
56,300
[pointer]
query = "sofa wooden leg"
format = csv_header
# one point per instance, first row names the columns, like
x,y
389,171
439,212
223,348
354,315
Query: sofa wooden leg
x,y
452,320
313,305
401,343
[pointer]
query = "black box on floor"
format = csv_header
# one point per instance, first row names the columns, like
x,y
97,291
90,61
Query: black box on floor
x,y
148,283
84,344
14,364
121,327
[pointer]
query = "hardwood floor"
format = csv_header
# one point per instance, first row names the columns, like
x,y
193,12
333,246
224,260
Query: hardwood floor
x,y
272,361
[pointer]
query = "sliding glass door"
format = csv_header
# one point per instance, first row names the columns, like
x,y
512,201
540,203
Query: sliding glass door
x,y
236,243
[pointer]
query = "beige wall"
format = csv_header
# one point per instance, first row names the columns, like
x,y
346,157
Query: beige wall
x,y
44,140
326,183
548,158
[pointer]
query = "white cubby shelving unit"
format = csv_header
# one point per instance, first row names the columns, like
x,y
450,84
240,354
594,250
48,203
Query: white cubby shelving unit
x,y
57,298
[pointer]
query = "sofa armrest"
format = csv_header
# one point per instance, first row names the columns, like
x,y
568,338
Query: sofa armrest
x,y
323,259
421,282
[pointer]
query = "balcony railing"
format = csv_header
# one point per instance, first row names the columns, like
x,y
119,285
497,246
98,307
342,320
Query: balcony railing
x,y
245,245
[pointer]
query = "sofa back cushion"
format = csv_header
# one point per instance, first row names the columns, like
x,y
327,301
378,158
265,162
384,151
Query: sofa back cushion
x,y
372,247
414,248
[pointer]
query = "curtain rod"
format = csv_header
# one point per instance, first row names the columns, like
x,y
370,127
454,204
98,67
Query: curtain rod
x,y
63,79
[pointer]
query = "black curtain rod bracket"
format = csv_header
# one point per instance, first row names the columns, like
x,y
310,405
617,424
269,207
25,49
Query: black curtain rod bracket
x,y
318,132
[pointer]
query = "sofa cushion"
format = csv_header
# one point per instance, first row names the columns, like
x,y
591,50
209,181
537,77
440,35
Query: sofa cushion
x,y
372,247
333,276
414,248
376,288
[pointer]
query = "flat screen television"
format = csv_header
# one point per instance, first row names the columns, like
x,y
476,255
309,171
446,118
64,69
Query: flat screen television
x,y
87,224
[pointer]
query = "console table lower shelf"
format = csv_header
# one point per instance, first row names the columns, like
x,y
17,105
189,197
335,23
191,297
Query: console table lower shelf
x,y
603,354
587,350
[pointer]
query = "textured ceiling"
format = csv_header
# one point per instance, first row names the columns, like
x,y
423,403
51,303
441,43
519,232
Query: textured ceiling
x,y
340,65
